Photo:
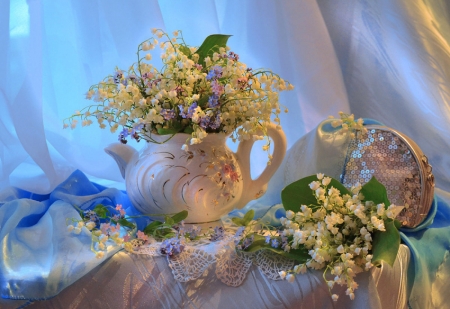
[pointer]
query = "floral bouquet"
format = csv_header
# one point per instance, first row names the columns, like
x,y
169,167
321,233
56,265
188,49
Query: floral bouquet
x,y
330,227
197,91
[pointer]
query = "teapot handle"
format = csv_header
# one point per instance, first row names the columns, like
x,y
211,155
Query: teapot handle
x,y
254,189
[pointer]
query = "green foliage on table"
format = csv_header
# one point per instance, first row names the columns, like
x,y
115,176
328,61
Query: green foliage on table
x,y
298,193
164,229
259,243
101,211
385,244
249,215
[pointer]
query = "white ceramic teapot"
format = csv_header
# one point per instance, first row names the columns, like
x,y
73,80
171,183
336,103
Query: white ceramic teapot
x,y
208,180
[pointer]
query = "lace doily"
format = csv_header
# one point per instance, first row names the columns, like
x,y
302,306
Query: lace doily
x,y
229,265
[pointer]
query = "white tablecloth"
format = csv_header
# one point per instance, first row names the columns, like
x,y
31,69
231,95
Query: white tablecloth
x,y
139,281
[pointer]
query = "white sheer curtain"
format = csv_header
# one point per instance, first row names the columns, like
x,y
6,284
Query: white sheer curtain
x,y
386,60
53,51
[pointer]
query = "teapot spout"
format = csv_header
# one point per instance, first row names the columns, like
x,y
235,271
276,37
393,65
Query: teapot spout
x,y
122,154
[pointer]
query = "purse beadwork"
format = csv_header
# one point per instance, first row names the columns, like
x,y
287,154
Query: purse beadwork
x,y
399,164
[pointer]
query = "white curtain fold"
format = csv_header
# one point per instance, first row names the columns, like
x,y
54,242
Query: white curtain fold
x,y
386,60
395,59
53,52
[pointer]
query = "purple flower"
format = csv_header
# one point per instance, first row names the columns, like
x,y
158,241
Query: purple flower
x,y
216,123
124,132
239,231
192,231
246,243
92,216
267,239
217,88
190,111
204,122
117,76
167,114
134,132
233,56
213,100
218,233
215,72
171,246
123,136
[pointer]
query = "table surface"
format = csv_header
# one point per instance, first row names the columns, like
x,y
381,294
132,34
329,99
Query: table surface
x,y
140,281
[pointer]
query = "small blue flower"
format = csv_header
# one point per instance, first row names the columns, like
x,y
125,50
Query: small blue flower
x,y
210,75
216,123
215,72
171,246
218,233
167,114
247,242
123,136
213,100
204,122
275,243
124,132
117,76
267,239
192,231
190,111
239,231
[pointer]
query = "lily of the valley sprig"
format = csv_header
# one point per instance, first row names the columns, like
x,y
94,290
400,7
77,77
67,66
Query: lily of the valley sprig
x,y
348,124
330,227
110,226
196,91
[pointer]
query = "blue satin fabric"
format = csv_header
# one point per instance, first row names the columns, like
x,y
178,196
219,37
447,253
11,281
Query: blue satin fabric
x,y
39,256
429,244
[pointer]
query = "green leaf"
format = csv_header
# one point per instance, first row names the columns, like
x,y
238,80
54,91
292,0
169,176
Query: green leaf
x,y
237,221
178,217
245,220
375,191
300,255
169,235
101,211
248,217
162,231
166,131
185,50
202,101
188,130
149,229
299,193
173,128
169,221
259,243
210,45
125,222
385,244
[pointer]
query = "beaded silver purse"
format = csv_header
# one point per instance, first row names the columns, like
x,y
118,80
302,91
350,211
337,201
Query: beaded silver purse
x,y
399,164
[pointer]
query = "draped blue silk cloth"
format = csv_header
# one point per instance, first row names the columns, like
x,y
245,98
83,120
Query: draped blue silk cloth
x,y
429,244
39,256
